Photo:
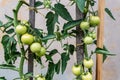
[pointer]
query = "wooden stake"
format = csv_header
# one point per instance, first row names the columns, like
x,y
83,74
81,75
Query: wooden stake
x,y
32,22
100,34
79,36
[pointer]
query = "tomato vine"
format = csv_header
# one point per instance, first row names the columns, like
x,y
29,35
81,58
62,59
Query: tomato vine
x,y
19,32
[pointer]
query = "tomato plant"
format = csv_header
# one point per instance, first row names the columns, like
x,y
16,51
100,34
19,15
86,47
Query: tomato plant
x,y
38,41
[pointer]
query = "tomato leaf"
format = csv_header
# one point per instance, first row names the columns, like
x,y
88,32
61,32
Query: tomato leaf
x,y
50,23
10,31
64,58
3,78
48,37
50,71
62,11
1,23
10,19
80,4
8,66
109,13
57,67
52,52
71,24
71,49
10,51
38,3
28,75
103,51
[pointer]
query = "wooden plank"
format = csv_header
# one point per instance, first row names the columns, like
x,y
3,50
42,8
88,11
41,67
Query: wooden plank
x,y
79,36
32,22
100,34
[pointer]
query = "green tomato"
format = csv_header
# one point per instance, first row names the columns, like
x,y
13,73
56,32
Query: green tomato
x,y
93,35
35,47
39,77
27,39
42,52
88,40
25,22
84,25
20,29
87,76
94,21
88,63
76,70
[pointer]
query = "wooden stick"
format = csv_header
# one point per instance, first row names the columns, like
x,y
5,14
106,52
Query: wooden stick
x,y
79,36
32,22
100,34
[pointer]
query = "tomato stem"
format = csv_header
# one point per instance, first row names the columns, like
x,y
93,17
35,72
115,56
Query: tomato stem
x,y
16,22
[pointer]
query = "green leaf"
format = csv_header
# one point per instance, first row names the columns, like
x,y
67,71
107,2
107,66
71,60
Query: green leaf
x,y
10,19
49,58
57,67
52,52
1,23
71,49
2,78
38,59
38,3
104,55
50,71
10,51
62,11
8,66
103,51
80,4
10,31
64,58
71,24
50,23
28,75
109,13
48,37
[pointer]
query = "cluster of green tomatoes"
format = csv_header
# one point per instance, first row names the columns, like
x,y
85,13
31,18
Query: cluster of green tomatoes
x,y
28,39
88,28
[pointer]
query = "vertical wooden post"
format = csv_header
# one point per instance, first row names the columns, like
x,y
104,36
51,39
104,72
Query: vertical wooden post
x,y
79,36
32,22
100,34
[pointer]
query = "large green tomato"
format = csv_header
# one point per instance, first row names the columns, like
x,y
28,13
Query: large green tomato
x,y
88,63
76,70
35,47
27,39
88,40
42,52
87,76
84,25
94,21
20,29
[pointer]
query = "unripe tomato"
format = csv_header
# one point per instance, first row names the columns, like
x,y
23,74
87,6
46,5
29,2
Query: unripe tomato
x,y
25,22
94,21
88,40
84,25
93,35
35,47
76,70
39,77
88,63
20,29
27,39
42,52
87,76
